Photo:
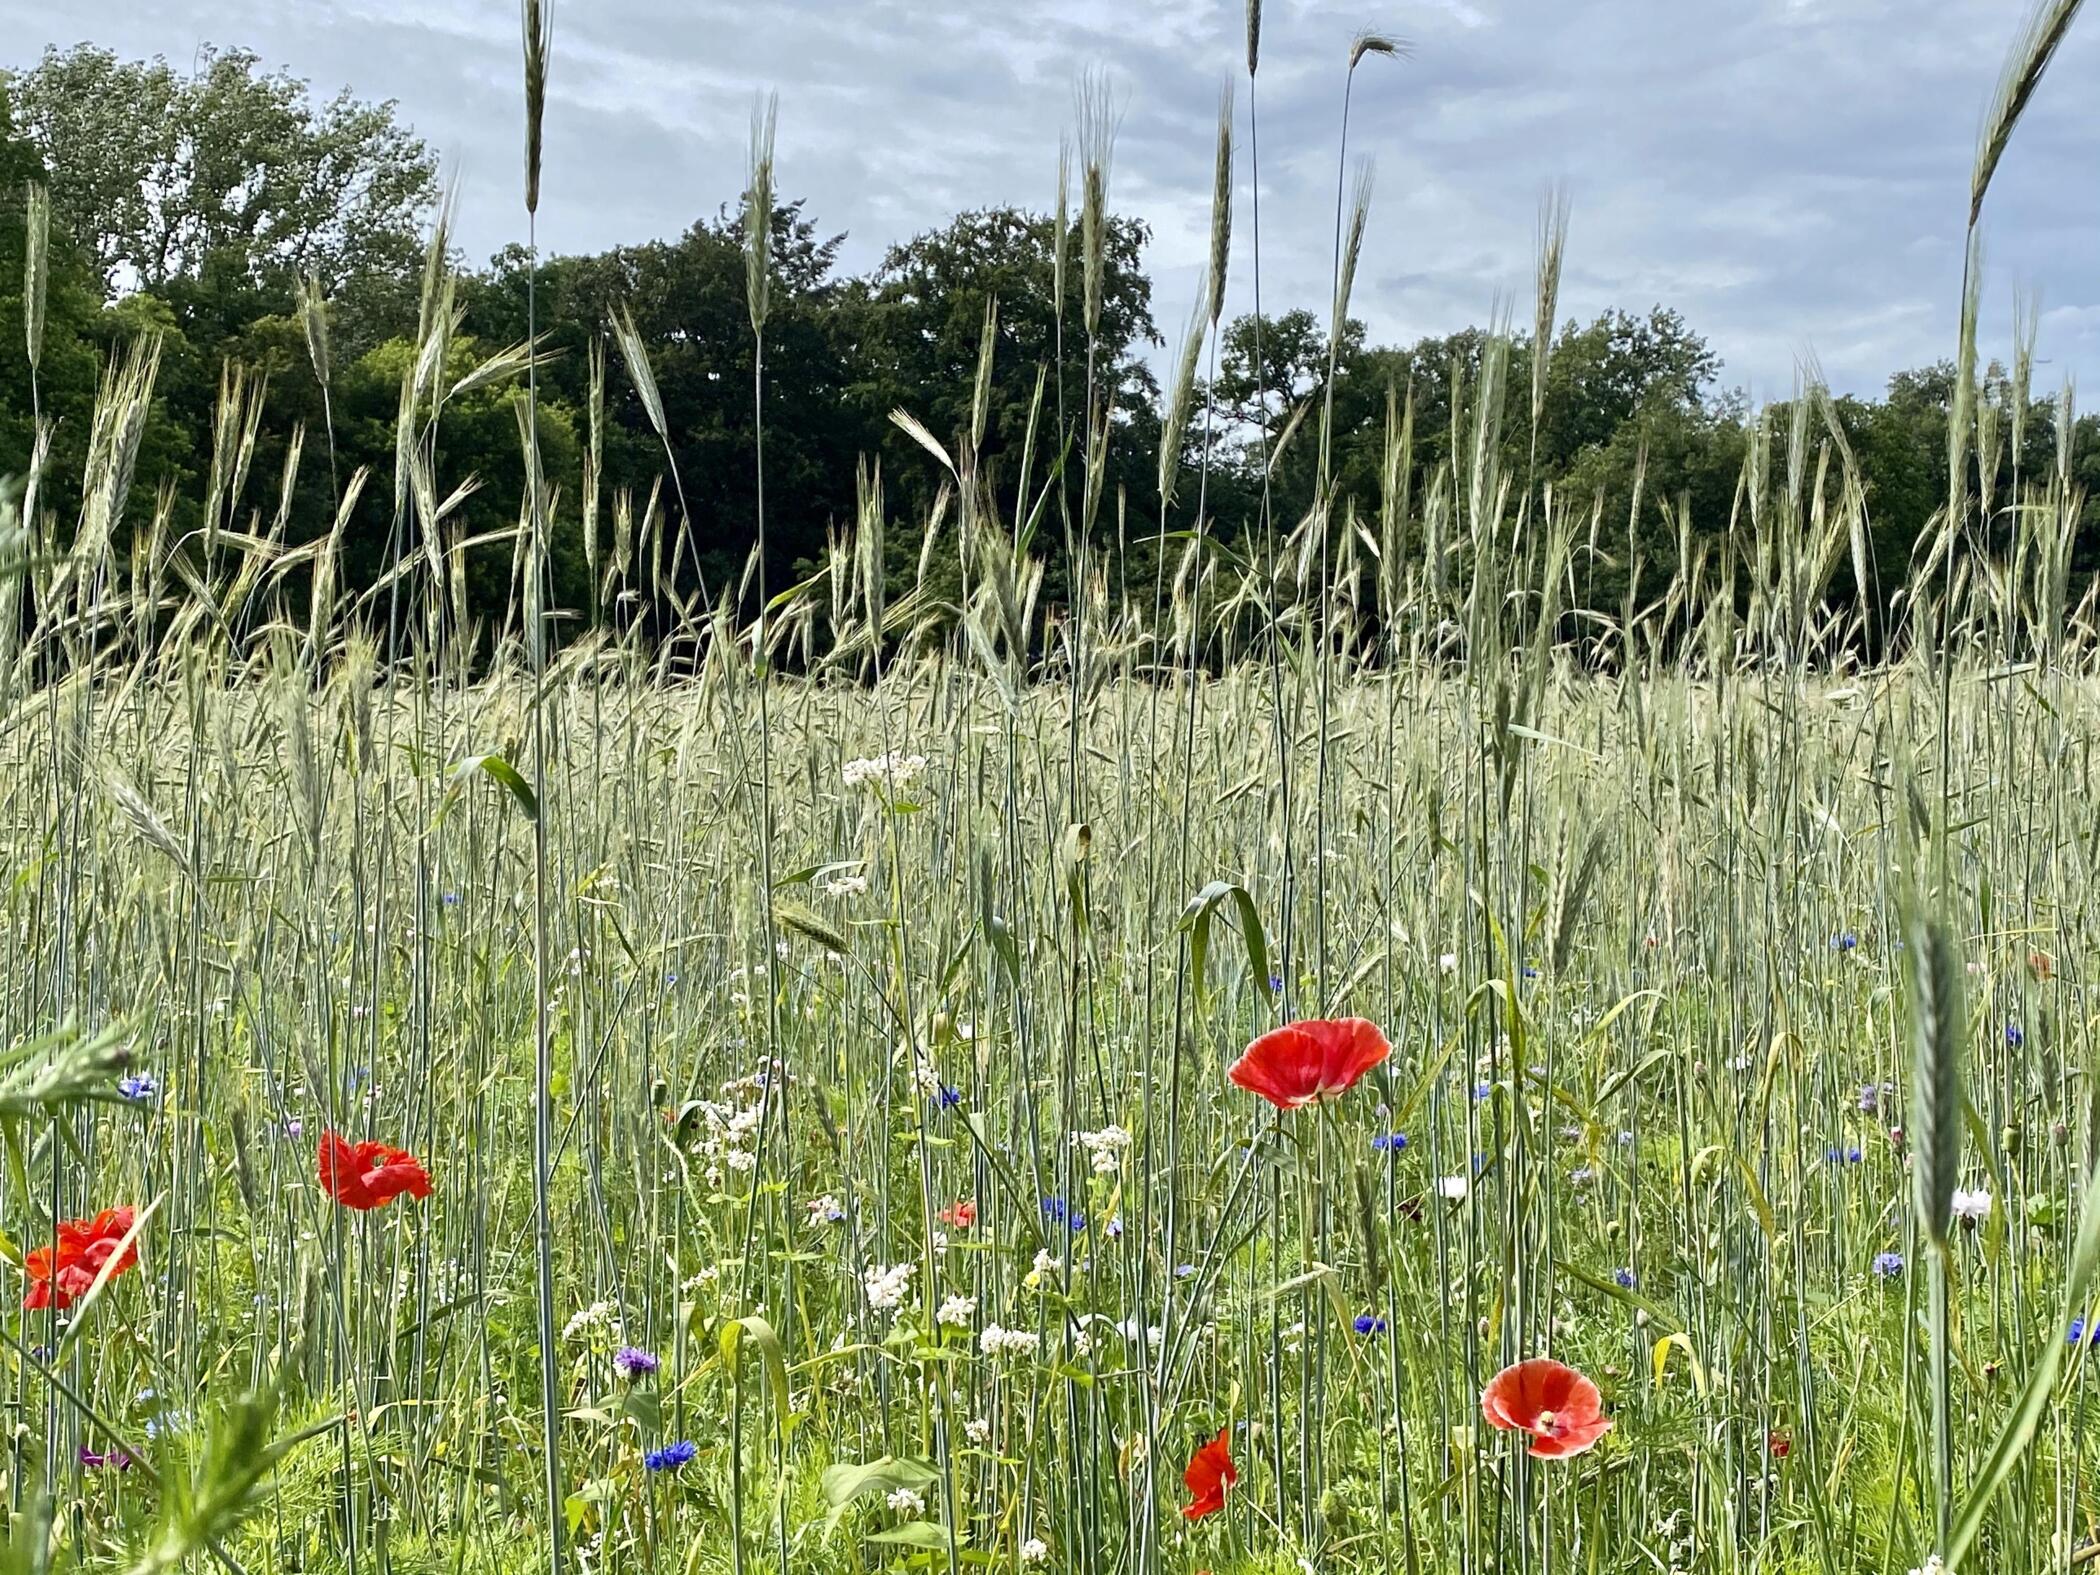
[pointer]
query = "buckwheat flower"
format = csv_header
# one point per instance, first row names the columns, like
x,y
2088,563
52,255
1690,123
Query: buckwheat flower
x,y
1454,1188
1035,1551
632,1362
1888,1264
995,1341
887,1287
845,886
1972,1205
977,1430
957,1311
826,1210
1368,1323
1448,962
671,1456
599,1315
905,1502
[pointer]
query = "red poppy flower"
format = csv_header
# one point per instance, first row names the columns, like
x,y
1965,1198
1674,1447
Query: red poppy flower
x,y
961,1214
366,1175
65,1271
1210,1473
1778,1444
1556,1405
1319,1058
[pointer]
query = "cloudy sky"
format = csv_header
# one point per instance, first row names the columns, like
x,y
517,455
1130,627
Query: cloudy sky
x,y
1791,174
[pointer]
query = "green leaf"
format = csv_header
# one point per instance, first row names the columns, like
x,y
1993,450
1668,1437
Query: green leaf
x,y
927,1534
501,772
1196,919
770,1350
842,1484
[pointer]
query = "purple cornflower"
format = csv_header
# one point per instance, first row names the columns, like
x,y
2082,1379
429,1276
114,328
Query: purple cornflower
x,y
1870,1097
1888,1264
137,1089
1624,1279
632,1362
1367,1323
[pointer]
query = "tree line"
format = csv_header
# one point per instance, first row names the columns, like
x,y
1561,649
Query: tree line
x,y
276,245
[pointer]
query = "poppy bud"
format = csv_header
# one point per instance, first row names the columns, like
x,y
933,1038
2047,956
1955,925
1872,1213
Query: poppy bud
x,y
2010,1137
659,1092
2060,1133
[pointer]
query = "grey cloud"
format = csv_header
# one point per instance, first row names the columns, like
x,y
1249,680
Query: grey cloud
x,y
1791,174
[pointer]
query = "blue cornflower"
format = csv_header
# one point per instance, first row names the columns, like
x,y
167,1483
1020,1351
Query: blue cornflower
x,y
1626,1140
1183,1270
2014,1038
1058,1213
452,899
1582,1175
1367,1323
137,1089
1624,1279
1842,1156
1843,941
670,980
1115,1229
1888,1264
949,1097
1276,984
1389,1142
671,1456
2080,1332
1530,972
1483,1090
631,1361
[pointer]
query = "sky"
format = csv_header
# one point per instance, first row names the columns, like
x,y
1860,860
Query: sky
x,y
1791,175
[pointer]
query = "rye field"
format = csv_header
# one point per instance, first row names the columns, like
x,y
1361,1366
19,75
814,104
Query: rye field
x,y
1052,1043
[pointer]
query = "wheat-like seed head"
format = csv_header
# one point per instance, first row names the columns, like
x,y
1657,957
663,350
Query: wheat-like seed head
x,y
1221,207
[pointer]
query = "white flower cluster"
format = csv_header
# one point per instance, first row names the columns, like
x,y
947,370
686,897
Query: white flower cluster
x,y
1972,1205
888,1287
844,886
598,1316
727,1135
1105,1149
1035,1551
906,1502
892,770
957,1311
996,1341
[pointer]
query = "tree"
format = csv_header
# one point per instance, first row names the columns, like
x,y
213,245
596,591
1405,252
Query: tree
x,y
687,299
153,173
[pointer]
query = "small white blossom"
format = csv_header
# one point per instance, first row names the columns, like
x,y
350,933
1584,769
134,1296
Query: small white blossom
x,y
977,1430
1972,1205
892,770
845,886
1035,1551
888,1287
1454,1188
957,1311
996,1341
907,1503
1448,962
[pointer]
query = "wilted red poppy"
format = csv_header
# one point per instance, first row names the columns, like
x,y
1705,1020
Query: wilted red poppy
x,y
61,1273
1556,1405
961,1214
1319,1058
1210,1473
1778,1445
2041,965
366,1175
